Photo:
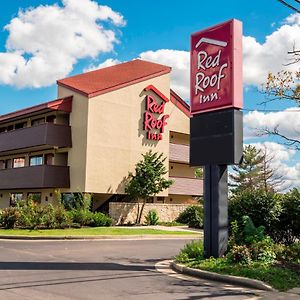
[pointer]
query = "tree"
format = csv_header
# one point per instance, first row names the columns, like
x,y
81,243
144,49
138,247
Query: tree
x,y
148,180
255,171
247,174
285,85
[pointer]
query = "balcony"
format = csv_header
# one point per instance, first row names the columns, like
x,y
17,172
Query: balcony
x,y
36,177
186,186
47,134
180,153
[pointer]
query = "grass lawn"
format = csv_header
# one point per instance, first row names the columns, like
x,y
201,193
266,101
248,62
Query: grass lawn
x,y
280,278
92,231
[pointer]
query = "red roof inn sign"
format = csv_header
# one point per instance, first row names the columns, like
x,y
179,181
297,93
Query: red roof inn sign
x,y
154,118
216,67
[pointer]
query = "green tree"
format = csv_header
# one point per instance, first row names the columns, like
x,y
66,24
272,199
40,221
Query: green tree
x,y
255,171
247,175
148,180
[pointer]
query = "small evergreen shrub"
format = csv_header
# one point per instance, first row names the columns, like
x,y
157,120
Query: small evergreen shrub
x,y
152,217
192,216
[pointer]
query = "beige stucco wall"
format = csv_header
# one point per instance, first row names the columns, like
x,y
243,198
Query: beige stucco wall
x,y
116,138
124,213
77,154
179,121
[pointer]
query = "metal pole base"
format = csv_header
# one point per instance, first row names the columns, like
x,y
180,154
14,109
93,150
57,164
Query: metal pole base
x,y
215,210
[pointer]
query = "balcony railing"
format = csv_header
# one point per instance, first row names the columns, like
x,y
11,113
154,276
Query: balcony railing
x,y
179,153
46,134
44,176
186,186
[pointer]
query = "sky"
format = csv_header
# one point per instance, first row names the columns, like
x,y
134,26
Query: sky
x,y
42,41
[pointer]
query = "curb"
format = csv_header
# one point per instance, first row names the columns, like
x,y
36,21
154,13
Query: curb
x,y
99,237
235,280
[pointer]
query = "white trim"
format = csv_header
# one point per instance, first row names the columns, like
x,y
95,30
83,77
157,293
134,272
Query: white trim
x,y
211,41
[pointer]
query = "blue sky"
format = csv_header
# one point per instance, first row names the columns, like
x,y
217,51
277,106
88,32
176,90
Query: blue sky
x,y
32,42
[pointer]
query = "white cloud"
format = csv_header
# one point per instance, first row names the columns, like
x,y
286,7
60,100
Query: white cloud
x,y
180,63
289,173
287,122
45,42
107,63
271,55
259,58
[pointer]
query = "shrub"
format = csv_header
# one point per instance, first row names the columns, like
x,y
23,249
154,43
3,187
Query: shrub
x,y
9,217
264,208
240,254
191,251
62,218
99,220
31,214
263,251
192,216
152,217
288,227
48,217
82,217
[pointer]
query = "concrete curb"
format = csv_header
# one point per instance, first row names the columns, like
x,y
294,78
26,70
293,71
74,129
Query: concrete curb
x,y
100,237
235,280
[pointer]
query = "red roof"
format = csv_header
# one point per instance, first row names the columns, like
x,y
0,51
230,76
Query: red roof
x,y
180,103
62,104
112,78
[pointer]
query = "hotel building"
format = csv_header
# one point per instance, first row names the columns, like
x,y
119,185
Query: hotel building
x,y
93,134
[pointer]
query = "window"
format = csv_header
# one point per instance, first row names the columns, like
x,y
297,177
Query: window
x,y
49,159
2,164
36,160
19,162
8,164
35,197
10,127
50,119
38,121
20,125
14,198
2,129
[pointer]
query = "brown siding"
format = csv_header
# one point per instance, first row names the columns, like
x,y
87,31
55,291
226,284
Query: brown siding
x,y
35,177
186,186
45,134
179,153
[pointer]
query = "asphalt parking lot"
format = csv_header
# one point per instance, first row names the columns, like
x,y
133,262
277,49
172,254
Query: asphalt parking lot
x,y
100,269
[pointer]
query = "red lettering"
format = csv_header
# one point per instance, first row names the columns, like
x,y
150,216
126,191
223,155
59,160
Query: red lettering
x,y
153,106
150,122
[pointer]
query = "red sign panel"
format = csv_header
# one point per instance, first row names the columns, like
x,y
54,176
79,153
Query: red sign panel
x,y
216,68
154,120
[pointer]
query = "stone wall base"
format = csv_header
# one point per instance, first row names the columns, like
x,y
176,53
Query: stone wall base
x,y
126,213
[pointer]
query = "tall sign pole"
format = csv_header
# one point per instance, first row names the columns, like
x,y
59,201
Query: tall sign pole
x,y
216,138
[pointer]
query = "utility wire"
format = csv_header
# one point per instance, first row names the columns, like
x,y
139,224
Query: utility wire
x,y
290,6
270,110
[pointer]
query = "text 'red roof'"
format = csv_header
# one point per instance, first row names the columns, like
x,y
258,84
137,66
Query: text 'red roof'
x,y
112,78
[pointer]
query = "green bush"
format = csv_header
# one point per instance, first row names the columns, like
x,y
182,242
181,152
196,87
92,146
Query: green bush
x,y
100,220
192,216
152,217
191,251
62,218
264,209
288,227
31,214
9,217
82,217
